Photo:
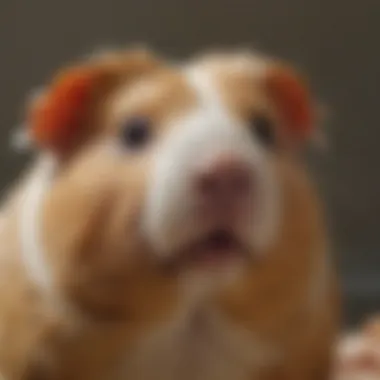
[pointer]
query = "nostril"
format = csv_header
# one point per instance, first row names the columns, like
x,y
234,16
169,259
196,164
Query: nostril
x,y
208,184
224,179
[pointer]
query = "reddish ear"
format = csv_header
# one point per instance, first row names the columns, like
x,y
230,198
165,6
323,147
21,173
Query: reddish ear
x,y
57,118
292,100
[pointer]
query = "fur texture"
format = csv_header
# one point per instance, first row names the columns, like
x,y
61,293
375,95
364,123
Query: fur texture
x,y
104,284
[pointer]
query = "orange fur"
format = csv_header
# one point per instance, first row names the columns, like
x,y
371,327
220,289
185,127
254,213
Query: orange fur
x,y
55,121
102,265
292,100
59,117
278,92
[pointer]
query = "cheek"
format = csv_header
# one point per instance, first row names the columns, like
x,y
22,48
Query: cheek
x,y
112,252
107,194
268,206
122,225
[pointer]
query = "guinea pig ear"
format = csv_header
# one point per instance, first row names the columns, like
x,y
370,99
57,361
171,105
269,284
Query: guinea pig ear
x,y
292,100
59,118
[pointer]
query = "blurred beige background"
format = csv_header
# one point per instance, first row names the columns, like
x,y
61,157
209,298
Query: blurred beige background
x,y
335,41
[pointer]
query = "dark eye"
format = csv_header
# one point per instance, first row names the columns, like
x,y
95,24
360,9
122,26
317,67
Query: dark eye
x,y
136,132
263,129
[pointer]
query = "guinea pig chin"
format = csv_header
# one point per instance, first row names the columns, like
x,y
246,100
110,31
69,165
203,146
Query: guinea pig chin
x,y
212,191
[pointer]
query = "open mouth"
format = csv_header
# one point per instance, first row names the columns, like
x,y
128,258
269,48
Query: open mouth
x,y
217,247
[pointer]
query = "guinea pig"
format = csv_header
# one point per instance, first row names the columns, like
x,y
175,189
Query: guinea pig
x,y
167,227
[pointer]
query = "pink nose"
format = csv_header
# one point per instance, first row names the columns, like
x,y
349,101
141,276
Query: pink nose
x,y
224,180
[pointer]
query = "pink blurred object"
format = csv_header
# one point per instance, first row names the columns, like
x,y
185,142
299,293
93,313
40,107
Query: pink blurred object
x,y
358,353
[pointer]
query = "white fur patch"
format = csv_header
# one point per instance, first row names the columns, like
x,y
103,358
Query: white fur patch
x,y
33,254
194,138
30,223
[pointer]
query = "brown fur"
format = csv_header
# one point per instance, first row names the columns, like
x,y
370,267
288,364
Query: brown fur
x,y
106,273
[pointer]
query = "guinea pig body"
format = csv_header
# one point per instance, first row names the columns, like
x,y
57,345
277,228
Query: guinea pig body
x,y
173,233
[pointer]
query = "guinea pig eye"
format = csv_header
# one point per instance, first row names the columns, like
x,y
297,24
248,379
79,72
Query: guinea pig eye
x,y
263,128
135,132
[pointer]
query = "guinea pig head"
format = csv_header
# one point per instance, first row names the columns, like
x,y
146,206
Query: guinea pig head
x,y
217,181
166,173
